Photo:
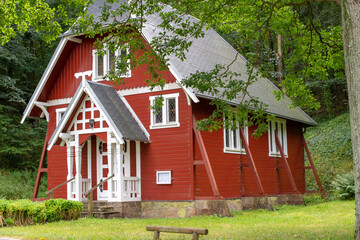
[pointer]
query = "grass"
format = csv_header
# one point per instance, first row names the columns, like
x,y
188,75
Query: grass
x,y
329,220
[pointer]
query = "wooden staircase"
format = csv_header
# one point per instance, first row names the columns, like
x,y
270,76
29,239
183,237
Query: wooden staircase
x,y
102,209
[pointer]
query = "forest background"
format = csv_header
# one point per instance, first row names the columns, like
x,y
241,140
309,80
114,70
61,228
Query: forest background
x,y
277,50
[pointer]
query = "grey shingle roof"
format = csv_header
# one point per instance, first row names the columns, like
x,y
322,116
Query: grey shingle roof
x,y
118,112
208,51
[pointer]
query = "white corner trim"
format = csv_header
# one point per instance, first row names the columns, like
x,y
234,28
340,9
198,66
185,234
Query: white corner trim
x,y
140,90
44,78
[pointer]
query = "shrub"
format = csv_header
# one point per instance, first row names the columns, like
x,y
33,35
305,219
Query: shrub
x,y
344,186
24,211
20,184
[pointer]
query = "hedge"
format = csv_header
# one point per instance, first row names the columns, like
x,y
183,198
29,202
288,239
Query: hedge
x,y
20,212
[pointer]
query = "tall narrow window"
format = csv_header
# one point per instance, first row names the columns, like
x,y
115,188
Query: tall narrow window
x,y
278,126
232,140
59,114
109,62
166,115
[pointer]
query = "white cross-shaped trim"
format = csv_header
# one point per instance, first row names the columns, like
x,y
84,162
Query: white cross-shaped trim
x,y
83,74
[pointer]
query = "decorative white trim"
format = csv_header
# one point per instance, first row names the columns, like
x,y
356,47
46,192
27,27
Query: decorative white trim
x,y
43,109
60,101
140,90
282,135
165,123
162,181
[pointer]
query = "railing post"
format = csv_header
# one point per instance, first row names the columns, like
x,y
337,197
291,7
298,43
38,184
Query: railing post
x,y
90,204
51,195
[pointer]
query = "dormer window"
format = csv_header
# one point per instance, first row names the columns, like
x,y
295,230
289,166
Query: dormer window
x,y
103,64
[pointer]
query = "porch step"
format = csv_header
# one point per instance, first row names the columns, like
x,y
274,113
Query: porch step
x,y
101,210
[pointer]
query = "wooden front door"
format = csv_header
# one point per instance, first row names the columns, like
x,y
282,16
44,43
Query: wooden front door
x,y
102,168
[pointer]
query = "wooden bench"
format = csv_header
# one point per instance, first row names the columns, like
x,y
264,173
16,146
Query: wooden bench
x,y
194,231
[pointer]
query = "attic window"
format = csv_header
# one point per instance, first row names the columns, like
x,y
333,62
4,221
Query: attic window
x,y
278,126
168,114
59,114
232,140
103,64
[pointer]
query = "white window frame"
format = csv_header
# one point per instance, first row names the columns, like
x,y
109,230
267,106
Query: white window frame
x,y
165,123
282,135
162,172
106,67
239,149
59,112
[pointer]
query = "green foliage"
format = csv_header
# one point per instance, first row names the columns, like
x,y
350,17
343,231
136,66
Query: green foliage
x,y
22,212
20,184
344,186
331,150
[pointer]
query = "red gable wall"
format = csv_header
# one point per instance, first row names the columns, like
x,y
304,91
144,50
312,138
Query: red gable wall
x,y
80,60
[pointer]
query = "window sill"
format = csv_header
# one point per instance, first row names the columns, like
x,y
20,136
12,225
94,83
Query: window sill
x,y
165,126
234,151
276,155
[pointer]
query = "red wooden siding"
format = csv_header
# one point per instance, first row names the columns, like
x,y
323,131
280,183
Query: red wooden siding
x,y
79,59
233,173
169,150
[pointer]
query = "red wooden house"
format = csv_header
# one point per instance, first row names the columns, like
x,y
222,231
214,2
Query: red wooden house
x,y
97,130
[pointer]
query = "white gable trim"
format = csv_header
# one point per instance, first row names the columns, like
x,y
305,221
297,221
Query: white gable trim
x,y
44,78
108,119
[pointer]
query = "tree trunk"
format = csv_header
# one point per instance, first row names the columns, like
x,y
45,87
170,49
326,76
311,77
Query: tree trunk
x,y
351,39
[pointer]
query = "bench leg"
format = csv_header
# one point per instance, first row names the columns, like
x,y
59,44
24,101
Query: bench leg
x,y
156,235
195,236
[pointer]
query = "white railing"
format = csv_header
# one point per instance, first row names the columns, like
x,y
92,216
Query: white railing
x,y
85,186
131,189
72,189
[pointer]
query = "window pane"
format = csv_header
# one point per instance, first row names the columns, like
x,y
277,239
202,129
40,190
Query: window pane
x,y
271,137
158,115
171,109
111,61
227,138
100,65
235,142
277,132
282,135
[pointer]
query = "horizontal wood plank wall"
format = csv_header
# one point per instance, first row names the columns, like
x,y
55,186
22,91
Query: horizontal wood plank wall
x,y
169,150
233,173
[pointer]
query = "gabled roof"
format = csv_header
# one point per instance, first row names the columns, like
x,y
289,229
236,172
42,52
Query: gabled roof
x,y
118,114
202,56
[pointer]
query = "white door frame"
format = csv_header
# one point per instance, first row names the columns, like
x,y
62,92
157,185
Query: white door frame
x,y
99,169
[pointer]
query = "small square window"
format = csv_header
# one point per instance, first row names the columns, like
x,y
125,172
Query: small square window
x,y
163,177
59,114
166,115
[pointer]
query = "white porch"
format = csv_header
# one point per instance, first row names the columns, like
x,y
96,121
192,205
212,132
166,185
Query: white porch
x,y
111,158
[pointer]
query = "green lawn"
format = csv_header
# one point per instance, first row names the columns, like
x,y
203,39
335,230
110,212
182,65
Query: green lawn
x,y
330,220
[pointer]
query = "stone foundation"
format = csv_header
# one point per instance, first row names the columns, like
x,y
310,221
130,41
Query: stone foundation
x,y
184,209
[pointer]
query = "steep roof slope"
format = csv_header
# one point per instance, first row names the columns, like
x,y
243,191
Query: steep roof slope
x,y
202,56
